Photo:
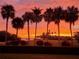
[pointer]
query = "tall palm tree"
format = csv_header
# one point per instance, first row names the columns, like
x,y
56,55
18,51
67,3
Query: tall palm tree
x,y
27,18
17,23
7,11
71,16
37,17
58,14
48,17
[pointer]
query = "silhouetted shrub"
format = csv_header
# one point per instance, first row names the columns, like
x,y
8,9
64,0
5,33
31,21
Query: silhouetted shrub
x,y
24,42
39,43
2,36
10,37
47,44
65,43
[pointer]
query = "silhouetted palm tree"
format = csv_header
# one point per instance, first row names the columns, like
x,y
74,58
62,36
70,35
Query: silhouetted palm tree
x,y
27,18
7,11
48,16
71,16
17,23
58,14
37,17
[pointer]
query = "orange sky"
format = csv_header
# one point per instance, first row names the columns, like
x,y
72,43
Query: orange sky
x,y
26,5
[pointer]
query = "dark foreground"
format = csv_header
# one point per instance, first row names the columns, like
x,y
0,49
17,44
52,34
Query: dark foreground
x,y
37,56
39,50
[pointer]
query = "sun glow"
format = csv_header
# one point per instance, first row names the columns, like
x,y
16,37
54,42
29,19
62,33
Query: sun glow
x,y
33,35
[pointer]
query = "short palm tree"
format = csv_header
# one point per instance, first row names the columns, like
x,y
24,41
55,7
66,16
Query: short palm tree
x,y
27,18
48,16
7,11
71,16
37,17
17,23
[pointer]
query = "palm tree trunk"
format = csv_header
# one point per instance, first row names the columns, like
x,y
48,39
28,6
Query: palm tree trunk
x,y
35,30
47,27
17,32
28,31
71,32
6,29
47,30
71,29
58,30
59,33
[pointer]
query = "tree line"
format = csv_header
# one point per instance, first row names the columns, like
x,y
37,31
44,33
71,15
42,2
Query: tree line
x,y
55,15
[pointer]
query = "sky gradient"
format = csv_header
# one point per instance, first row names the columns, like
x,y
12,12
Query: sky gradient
x,y
22,6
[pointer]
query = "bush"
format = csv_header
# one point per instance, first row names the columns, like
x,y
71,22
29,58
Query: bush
x,y
65,43
47,44
39,43
23,42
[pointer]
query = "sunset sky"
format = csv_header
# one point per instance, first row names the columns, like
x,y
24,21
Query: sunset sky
x,y
22,6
